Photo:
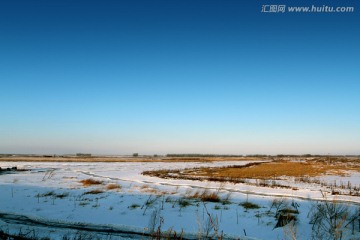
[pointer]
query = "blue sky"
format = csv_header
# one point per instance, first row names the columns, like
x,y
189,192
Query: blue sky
x,y
156,77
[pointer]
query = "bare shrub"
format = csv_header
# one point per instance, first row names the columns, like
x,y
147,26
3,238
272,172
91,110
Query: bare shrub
x,y
328,219
149,202
155,228
210,228
154,220
278,204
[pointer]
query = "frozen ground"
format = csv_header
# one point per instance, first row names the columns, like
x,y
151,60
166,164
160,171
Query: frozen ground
x,y
51,193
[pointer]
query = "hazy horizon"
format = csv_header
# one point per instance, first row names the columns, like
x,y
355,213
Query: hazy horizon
x,y
157,77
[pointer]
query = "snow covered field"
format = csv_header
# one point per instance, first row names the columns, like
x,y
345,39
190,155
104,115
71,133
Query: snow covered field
x,y
51,196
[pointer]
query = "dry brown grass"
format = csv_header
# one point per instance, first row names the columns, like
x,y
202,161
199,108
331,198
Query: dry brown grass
x,y
205,196
90,181
112,186
210,197
262,170
277,169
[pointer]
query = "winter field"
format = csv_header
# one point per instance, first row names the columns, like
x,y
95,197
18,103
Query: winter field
x,y
106,199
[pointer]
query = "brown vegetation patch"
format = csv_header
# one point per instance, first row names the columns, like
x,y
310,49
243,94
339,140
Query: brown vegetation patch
x,y
112,186
205,196
90,181
262,170
265,170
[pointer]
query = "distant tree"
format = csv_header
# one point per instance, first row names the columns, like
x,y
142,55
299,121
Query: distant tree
x,y
307,155
135,154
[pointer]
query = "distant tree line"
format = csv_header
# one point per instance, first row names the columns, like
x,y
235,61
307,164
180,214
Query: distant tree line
x,y
83,154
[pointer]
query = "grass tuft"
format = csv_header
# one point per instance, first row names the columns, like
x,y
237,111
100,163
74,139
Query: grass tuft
x,y
133,206
184,203
90,181
206,196
249,205
112,186
95,191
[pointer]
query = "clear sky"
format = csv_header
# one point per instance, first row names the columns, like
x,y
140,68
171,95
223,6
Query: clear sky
x,y
178,76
